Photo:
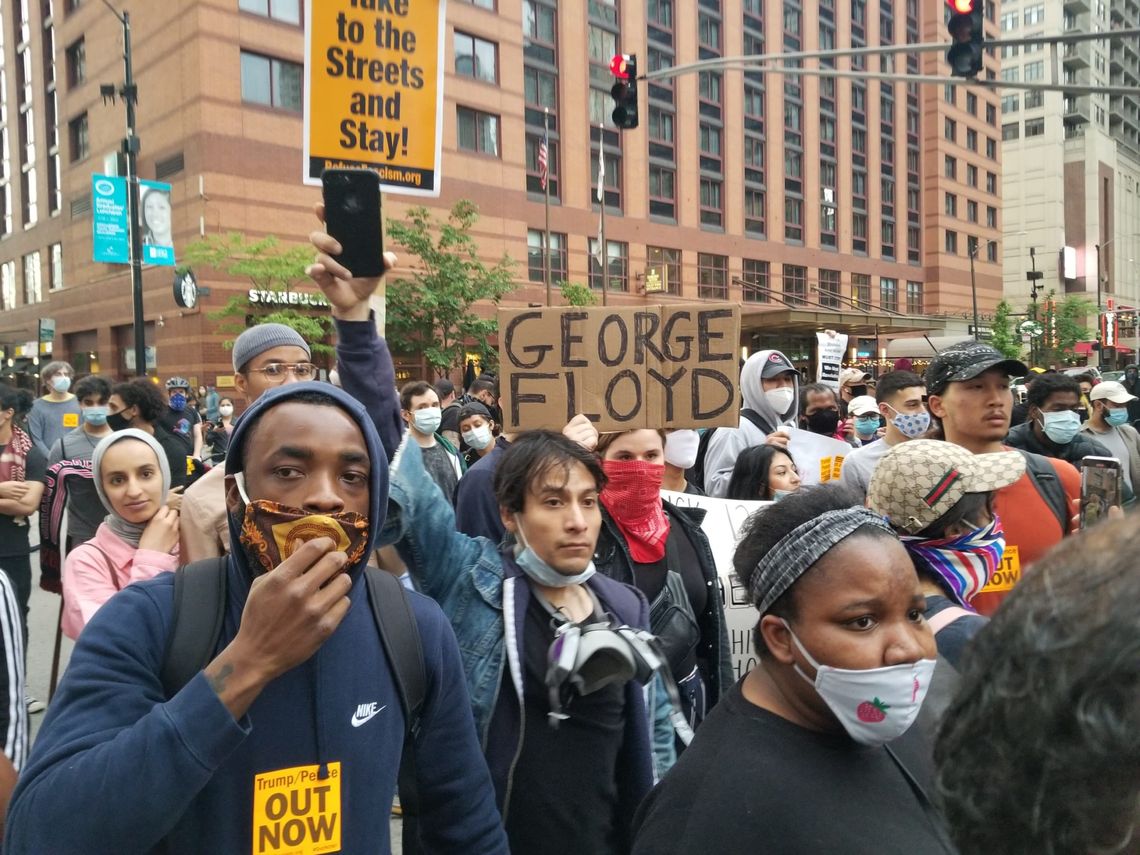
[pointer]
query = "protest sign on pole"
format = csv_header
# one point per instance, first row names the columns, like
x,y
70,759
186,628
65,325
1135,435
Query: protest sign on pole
x,y
724,519
374,91
626,368
832,346
818,459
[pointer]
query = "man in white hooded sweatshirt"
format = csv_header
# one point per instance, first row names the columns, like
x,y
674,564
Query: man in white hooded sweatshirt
x,y
770,387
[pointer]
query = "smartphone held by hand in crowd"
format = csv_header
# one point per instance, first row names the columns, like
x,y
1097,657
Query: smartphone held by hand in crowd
x,y
352,216
1100,488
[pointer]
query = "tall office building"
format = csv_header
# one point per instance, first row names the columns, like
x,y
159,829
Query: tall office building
x,y
1071,184
814,202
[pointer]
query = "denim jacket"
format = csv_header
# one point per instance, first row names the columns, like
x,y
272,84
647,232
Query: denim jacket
x,y
476,585
611,557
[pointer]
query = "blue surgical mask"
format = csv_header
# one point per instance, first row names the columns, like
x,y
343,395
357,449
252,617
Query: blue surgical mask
x,y
866,425
60,383
95,416
1116,418
780,494
911,425
178,402
427,420
539,570
1061,427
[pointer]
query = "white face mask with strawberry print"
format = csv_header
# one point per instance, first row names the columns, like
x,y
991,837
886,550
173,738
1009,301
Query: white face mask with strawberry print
x,y
874,705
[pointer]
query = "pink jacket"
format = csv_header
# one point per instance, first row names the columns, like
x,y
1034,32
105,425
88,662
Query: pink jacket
x,y
87,580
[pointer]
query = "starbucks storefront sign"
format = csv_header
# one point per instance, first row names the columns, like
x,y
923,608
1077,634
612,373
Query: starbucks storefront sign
x,y
259,297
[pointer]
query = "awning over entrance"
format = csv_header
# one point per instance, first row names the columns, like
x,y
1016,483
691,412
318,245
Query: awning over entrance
x,y
1083,348
922,347
808,321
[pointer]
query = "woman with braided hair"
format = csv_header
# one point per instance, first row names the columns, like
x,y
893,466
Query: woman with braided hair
x,y
813,751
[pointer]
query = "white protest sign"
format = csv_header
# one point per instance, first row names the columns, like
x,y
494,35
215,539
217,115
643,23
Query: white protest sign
x,y
724,519
818,459
832,346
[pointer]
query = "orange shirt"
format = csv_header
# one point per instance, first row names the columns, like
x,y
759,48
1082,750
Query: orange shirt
x,y
1029,523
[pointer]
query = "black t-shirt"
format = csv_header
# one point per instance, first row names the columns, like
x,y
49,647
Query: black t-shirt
x,y
754,782
14,530
176,454
440,465
180,425
564,787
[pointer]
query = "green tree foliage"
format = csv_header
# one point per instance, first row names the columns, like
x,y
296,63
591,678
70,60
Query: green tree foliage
x,y
1005,336
1065,326
268,266
574,294
431,313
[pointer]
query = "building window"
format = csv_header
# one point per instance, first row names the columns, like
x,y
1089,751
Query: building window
x,y
617,253
971,139
1034,127
475,57
829,288
795,284
536,264
756,273
712,276
288,11
662,192
1034,100
971,211
991,183
861,290
951,207
754,211
534,169
8,285
971,103
991,217
477,131
1035,70
76,63
991,115
712,212
992,251
888,294
56,260
793,218
971,175
1010,130
78,138
951,242
950,167
482,4
1034,15
33,282
666,263
914,298
950,129
271,82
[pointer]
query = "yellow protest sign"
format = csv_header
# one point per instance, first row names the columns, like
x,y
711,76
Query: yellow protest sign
x,y
1008,572
374,91
296,812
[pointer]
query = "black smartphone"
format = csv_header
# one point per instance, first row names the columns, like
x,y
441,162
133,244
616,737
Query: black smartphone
x,y
1100,488
352,216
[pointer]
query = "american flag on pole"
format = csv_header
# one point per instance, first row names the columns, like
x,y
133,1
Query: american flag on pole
x,y
544,160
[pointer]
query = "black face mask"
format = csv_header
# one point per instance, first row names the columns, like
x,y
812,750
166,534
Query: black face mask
x,y
116,421
856,391
823,422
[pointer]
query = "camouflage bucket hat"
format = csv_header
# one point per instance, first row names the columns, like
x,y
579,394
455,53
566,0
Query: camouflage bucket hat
x,y
917,482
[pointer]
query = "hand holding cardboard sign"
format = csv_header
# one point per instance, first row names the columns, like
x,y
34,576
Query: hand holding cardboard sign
x,y
582,431
348,295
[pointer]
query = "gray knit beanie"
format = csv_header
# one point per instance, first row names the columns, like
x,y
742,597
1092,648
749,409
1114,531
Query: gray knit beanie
x,y
256,340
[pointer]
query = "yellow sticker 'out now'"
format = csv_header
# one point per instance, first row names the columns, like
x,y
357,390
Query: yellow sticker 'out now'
x,y
296,812
1008,572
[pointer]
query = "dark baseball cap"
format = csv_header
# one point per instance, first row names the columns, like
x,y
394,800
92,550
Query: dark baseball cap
x,y
776,363
965,361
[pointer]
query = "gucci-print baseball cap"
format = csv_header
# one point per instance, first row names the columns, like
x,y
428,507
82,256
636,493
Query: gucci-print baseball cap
x,y
918,481
965,361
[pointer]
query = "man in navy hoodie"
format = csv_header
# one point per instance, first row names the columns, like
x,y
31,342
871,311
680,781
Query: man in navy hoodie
x,y
268,744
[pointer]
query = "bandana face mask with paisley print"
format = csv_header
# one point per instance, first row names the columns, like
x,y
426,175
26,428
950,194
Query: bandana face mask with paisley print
x,y
271,532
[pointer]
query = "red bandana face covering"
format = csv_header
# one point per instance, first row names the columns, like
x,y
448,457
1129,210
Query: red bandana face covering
x,y
271,532
633,498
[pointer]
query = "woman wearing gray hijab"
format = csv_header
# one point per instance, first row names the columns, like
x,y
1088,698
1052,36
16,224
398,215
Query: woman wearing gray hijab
x,y
139,537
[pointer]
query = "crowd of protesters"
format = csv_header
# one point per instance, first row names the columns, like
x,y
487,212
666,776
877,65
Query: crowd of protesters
x,y
299,605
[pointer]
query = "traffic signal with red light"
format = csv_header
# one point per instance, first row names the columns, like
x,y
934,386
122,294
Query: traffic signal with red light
x,y
965,21
624,67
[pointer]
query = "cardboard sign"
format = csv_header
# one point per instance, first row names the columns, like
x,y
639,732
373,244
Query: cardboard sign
x,y
626,368
724,519
374,91
818,459
1008,572
832,346
296,812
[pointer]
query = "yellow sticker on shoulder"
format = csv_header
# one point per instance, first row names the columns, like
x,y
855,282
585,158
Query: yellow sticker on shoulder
x,y
295,812
70,420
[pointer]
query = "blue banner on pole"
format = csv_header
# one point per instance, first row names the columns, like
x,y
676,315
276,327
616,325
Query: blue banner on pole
x,y
111,240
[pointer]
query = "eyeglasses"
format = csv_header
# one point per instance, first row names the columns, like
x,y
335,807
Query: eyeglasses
x,y
276,371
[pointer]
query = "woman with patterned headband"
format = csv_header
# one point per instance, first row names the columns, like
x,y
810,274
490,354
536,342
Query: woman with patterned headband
x,y
813,751
939,498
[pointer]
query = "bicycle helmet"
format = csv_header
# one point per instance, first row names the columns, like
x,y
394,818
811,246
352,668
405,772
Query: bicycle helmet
x,y
177,383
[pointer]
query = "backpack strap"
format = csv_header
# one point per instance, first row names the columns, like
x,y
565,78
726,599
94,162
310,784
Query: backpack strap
x,y
757,421
1048,485
401,639
946,617
199,607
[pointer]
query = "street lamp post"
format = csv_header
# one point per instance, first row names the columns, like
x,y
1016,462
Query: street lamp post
x,y
129,94
973,252
1034,276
